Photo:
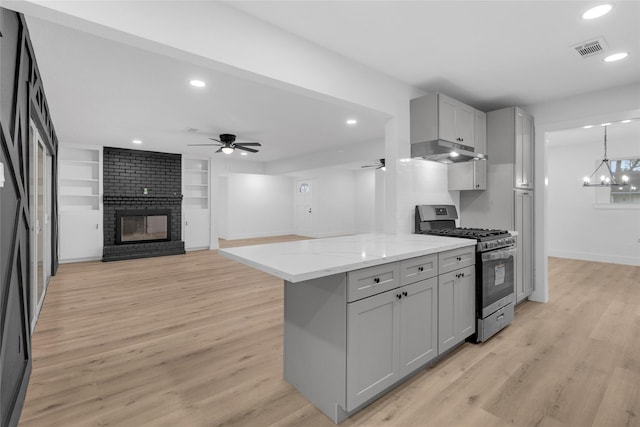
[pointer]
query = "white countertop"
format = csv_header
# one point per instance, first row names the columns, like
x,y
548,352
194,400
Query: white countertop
x,y
309,259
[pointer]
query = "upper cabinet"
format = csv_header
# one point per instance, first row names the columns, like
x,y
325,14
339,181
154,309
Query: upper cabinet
x,y
456,121
437,116
510,136
523,149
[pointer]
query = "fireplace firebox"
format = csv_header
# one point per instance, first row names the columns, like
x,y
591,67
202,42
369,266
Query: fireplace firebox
x,y
143,226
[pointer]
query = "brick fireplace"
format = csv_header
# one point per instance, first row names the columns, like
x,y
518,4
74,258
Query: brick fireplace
x,y
142,194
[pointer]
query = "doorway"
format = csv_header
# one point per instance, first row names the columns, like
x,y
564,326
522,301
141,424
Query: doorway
x,y
40,210
304,207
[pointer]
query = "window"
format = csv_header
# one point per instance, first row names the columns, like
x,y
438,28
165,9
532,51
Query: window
x,y
629,193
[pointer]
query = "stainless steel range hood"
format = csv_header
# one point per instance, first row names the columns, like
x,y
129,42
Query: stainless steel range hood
x,y
443,151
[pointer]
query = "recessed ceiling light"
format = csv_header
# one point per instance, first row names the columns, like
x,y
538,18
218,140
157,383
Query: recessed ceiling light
x,y
352,122
137,141
197,83
243,154
605,124
597,12
616,57
626,121
587,127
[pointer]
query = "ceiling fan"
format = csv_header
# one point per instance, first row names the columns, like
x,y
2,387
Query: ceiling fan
x,y
228,144
379,165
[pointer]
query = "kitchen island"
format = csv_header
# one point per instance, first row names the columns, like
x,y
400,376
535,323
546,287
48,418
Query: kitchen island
x,y
364,312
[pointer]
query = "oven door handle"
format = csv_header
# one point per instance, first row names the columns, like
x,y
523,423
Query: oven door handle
x,y
505,253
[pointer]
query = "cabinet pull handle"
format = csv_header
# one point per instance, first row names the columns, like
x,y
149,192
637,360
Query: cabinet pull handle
x,y
399,296
376,280
500,317
421,269
404,293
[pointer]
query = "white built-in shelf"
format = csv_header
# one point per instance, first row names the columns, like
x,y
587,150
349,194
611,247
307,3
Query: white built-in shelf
x,y
195,183
79,179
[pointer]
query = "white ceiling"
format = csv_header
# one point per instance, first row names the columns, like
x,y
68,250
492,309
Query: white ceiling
x,y
488,54
106,93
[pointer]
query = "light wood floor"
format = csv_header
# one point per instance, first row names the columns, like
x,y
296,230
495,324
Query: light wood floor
x,y
196,340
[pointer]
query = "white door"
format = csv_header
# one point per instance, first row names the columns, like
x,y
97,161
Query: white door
x,y
304,207
40,184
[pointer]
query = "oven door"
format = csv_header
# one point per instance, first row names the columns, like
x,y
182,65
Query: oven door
x,y
497,274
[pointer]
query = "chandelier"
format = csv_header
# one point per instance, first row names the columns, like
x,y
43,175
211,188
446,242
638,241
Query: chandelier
x,y
608,180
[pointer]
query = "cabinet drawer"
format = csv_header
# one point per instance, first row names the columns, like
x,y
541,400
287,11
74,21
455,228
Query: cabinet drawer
x,y
419,268
371,281
456,258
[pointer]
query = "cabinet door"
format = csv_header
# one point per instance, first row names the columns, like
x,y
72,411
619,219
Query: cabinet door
x,y
467,302
465,124
373,346
523,150
467,175
480,132
81,235
447,315
524,259
196,228
447,108
456,307
418,324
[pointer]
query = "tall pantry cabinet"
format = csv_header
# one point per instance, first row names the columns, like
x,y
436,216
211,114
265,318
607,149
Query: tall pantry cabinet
x,y
507,202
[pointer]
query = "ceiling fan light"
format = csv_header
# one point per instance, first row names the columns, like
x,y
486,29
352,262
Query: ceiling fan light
x,y
383,169
227,150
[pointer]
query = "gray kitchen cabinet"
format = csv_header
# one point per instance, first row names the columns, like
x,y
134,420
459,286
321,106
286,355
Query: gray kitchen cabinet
x,y
480,132
456,259
373,346
523,134
418,324
390,335
456,307
437,116
366,282
507,203
524,225
342,349
467,175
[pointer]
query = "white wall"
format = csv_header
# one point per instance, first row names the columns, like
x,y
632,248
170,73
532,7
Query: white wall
x,y
578,228
364,200
251,205
595,107
333,201
422,182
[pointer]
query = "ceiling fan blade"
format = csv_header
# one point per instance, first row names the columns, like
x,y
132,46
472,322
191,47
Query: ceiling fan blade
x,y
214,139
203,145
370,166
249,144
219,150
251,150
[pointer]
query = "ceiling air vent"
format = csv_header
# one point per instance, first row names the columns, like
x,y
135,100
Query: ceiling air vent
x,y
192,130
591,47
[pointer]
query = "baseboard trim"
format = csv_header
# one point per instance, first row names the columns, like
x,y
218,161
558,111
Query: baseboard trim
x,y
610,259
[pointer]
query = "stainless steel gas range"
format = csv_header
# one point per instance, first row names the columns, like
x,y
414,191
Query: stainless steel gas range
x,y
495,265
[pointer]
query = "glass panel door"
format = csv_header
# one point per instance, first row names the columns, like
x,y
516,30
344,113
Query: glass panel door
x,y
39,201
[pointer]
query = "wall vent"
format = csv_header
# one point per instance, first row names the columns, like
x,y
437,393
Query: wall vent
x,y
192,130
591,47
